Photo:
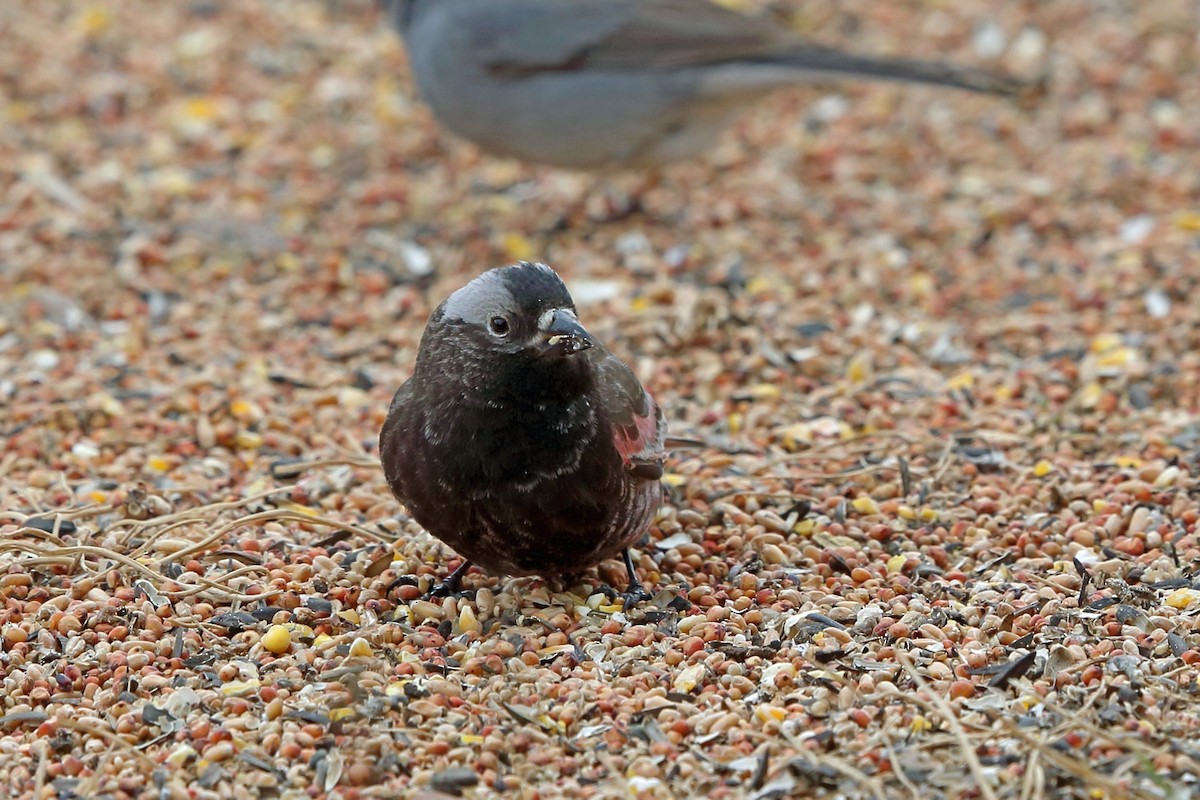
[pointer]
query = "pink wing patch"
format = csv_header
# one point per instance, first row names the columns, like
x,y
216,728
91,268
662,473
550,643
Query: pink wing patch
x,y
638,427
643,439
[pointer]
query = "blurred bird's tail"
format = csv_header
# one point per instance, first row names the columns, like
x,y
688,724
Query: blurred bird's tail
x,y
828,61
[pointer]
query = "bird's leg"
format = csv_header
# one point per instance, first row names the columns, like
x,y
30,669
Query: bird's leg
x,y
450,583
602,203
631,203
634,592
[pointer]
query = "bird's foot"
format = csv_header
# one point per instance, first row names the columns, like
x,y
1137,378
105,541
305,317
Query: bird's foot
x,y
608,591
451,583
621,207
634,593
608,206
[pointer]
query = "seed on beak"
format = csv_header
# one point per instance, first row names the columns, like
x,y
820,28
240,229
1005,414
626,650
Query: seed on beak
x,y
563,334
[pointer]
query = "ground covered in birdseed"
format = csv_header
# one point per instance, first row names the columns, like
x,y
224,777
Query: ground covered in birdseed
x,y
945,350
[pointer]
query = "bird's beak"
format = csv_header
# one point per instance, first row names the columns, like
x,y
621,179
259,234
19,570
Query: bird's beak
x,y
560,334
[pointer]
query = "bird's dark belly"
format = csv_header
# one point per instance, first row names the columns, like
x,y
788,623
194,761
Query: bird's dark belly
x,y
557,501
552,530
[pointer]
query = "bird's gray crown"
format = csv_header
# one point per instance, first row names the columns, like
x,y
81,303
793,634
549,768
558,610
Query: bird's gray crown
x,y
524,288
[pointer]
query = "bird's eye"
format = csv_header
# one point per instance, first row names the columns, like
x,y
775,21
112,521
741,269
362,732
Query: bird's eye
x,y
498,326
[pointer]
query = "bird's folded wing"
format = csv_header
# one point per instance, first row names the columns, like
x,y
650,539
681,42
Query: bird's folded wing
x,y
535,36
638,427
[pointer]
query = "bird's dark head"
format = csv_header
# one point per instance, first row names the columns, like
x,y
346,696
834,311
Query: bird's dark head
x,y
521,311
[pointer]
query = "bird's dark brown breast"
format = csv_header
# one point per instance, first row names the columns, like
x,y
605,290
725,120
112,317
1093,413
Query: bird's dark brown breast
x,y
529,482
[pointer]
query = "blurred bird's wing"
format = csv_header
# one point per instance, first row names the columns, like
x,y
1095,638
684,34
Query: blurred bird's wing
x,y
638,427
519,38
531,36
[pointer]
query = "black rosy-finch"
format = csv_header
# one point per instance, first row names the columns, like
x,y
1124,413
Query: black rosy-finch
x,y
519,440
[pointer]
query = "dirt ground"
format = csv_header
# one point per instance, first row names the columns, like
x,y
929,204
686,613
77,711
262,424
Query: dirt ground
x,y
944,349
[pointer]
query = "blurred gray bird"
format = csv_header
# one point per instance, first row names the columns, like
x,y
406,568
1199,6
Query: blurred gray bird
x,y
592,84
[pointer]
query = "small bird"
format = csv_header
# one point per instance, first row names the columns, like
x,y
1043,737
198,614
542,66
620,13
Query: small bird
x,y
519,440
592,84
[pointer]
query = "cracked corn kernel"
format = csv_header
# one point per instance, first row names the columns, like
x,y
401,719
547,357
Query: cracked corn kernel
x,y
765,391
922,285
518,247
180,755
111,406
239,688
865,505
758,285
961,380
1090,395
246,412
467,621
277,639
860,369
1182,598
767,713
1043,468
795,436
93,21
1118,357
245,440
556,650
1188,221
1104,342
360,647
689,678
